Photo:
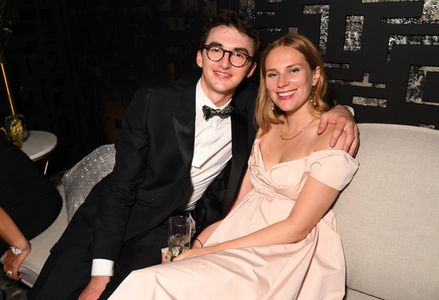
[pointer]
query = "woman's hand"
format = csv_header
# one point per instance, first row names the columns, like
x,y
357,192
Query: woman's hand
x,y
11,263
11,234
194,252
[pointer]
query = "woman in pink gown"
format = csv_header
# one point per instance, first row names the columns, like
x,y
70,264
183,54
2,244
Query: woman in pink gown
x,y
279,240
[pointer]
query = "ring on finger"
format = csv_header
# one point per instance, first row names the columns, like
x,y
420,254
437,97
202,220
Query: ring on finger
x,y
8,273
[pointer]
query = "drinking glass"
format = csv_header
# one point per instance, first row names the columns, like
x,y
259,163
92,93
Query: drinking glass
x,y
179,235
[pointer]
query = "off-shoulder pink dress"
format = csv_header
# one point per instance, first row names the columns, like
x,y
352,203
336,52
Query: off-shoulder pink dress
x,y
313,268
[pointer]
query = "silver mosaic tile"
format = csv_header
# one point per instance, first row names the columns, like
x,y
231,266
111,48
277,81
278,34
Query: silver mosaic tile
x,y
416,82
430,15
336,65
376,1
265,13
293,29
364,101
353,33
249,7
424,40
430,126
272,29
323,11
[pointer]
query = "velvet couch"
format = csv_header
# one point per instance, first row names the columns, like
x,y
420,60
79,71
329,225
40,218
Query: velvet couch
x,y
388,217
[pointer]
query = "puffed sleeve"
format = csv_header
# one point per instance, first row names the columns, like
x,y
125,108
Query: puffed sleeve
x,y
334,168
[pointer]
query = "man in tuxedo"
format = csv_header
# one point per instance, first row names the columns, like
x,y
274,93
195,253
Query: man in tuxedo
x,y
174,155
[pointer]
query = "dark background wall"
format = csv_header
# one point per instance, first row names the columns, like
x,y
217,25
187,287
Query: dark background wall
x,y
74,65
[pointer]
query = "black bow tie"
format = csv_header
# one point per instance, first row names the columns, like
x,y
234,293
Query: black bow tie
x,y
210,112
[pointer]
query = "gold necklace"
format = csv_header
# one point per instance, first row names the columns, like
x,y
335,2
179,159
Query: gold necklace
x,y
283,138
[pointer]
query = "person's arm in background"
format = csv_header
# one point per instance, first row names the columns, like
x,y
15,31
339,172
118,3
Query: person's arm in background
x,y
344,122
11,234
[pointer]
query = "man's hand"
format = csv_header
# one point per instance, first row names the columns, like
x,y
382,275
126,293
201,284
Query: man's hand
x,y
94,288
344,122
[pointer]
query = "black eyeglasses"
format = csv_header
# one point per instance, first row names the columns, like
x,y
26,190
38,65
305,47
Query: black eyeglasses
x,y
237,58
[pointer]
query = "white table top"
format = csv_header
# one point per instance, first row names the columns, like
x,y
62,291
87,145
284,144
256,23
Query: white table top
x,y
39,143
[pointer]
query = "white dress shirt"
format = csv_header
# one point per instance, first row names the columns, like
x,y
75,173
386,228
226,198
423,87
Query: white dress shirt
x,y
212,151
212,147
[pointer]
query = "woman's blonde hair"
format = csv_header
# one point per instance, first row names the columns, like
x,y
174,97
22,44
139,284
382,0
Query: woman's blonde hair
x,y
267,112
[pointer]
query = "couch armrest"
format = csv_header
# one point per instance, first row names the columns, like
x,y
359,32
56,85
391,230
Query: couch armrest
x,y
42,244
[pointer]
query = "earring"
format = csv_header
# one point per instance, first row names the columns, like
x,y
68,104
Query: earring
x,y
313,101
273,106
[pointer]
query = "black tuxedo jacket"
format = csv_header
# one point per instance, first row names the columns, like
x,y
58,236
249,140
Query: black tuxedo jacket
x,y
151,177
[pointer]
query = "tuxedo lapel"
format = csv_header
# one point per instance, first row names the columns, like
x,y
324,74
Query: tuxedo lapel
x,y
239,152
184,123
243,134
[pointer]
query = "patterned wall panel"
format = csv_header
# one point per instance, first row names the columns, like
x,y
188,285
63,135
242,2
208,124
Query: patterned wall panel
x,y
381,56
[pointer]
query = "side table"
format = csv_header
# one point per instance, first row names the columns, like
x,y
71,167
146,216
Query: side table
x,y
38,145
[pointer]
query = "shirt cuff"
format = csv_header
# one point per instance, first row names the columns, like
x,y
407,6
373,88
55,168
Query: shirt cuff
x,y
351,110
102,267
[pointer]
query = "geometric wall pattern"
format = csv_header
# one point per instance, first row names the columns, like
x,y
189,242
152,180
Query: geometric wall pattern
x,y
381,56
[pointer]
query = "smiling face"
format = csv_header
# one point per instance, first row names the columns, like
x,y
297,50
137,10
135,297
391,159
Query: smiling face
x,y
220,79
289,79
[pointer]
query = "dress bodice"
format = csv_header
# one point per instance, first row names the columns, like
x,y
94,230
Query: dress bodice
x,y
334,168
